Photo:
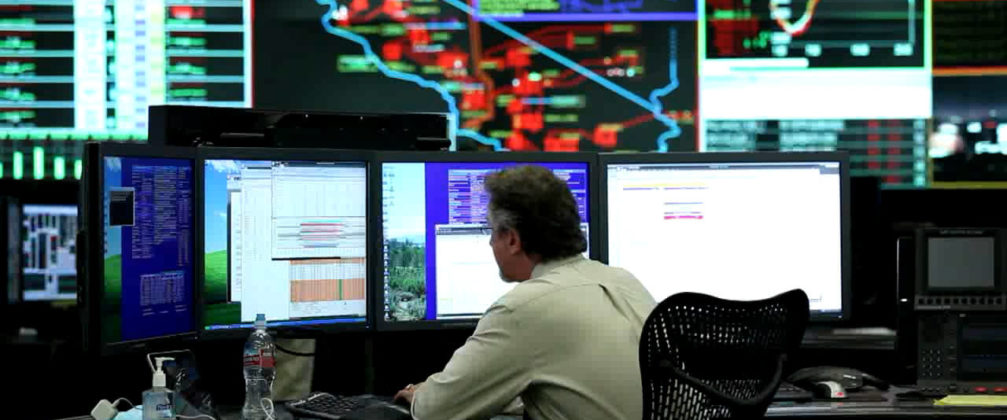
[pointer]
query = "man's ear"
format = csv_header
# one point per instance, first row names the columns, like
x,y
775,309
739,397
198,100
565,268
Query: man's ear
x,y
513,241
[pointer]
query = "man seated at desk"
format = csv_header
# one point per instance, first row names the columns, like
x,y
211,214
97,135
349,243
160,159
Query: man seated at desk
x,y
564,339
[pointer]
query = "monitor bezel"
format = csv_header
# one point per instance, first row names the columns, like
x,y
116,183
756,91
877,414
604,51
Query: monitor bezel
x,y
91,215
11,265
588,158
606,159
923,237
205,153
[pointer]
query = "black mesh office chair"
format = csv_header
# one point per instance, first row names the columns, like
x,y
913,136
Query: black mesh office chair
x,y
702,357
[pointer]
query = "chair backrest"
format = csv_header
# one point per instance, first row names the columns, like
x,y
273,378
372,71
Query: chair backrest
x,y
702,357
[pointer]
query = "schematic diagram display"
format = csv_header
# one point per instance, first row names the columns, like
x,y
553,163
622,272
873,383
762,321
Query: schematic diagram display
x,y
808,59
50,248
600,10
579,83
287,239
849,75
830,33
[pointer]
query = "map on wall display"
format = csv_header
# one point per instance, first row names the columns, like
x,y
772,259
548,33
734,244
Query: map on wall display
x,y
559,75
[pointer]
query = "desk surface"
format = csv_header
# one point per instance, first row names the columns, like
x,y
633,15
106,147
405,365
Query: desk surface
x,y
832,411
890,408
234,413
814,410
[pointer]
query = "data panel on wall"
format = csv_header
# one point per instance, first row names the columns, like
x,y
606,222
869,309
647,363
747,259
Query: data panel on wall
x,y
77,70
819,75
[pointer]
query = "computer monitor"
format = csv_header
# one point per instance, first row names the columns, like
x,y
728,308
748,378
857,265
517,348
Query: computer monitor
x,y
139,226
285,233
437,267
39,221
741,226
49,252
960,263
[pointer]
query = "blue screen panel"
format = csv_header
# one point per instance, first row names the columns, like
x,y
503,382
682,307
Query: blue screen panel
x,y
148,256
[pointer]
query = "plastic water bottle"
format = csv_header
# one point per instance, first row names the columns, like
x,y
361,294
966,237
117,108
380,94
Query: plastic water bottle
x,y
260,369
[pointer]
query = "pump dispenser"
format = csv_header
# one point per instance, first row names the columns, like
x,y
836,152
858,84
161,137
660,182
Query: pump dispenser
x,y
159,378
158,401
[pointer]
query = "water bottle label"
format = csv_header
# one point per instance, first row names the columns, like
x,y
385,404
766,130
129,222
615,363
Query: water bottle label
x,y
263,359
266,358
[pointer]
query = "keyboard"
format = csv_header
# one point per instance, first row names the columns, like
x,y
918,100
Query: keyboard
x,y
333,407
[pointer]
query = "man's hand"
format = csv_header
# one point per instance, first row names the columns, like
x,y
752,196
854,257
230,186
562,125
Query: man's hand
x,y
406,394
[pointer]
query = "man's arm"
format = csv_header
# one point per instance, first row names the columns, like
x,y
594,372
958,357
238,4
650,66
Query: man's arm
x,y
482,377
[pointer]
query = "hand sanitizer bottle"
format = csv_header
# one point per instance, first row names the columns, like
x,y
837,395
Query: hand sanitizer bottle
x,y
158,400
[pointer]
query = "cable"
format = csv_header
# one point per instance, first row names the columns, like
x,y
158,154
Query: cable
x,y
150,356
116,402
270,411
295,353
132,406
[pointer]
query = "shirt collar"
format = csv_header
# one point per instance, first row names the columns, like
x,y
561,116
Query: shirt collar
x,y
544,267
